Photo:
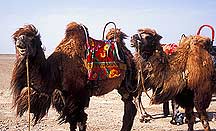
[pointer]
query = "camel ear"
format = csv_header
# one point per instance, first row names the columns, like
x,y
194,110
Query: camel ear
x,y
158,37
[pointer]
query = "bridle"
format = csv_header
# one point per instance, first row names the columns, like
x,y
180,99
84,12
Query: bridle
x,y
148,67
144,53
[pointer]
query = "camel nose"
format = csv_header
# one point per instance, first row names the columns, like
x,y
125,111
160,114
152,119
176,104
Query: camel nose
x,y
133,37
20,44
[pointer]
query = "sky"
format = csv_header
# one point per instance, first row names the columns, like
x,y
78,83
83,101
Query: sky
x,y
170,18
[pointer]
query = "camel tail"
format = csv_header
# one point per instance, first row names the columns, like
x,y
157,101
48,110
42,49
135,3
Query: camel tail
x,y
39,104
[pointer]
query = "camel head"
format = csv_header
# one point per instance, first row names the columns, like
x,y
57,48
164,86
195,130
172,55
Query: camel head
x,y
201,41
27,40
120,36
146,40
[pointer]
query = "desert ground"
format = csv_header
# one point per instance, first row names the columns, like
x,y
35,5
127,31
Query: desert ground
x,y
104,112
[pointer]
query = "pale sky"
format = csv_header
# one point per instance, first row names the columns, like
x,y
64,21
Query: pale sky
x,y
170,18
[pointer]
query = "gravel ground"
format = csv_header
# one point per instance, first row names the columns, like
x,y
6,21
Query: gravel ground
x,y
104,113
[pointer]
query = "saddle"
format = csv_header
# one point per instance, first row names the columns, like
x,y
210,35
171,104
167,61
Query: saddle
x,y
169,48
102,60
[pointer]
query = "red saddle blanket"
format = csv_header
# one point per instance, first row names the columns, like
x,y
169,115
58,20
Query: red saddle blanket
x,y
169,48
101,60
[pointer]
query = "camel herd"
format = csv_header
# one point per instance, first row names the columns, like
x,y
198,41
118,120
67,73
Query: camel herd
x,y
81,67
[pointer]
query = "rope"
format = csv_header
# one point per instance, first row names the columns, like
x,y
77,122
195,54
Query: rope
x,y
141,80
86,35
114,39
28,85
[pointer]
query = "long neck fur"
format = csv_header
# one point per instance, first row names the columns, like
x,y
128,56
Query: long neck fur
x,y
19,74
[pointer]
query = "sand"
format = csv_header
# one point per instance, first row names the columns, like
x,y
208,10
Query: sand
x,y
104,112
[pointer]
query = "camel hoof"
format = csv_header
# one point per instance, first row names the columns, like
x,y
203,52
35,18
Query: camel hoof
x,y
145,119
176,123
178,119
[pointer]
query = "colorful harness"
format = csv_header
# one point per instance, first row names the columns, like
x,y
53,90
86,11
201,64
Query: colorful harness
x,y
102,57
101,60
169,48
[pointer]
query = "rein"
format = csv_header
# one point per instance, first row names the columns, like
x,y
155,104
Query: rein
x,y
28,85
140,80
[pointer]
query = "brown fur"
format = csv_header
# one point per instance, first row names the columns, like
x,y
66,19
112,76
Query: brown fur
x,y
28,30
62,78
189,54
19,79
185,76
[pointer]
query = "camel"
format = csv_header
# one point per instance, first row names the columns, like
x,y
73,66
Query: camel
x,y
67,79
177,117
186,76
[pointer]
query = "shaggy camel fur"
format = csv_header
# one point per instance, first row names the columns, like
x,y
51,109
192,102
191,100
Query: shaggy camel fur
x,y
61,79
186,76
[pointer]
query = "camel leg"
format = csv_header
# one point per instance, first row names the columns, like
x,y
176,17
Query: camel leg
x,y
189,113
82,116
204,119
137,104
201,104
145,116
129,115
73,126
166,108
71,118
177,117
82,121
129,111
76,115
79,120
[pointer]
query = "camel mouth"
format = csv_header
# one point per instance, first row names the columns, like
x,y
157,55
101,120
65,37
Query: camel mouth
x,y
21,49
132,45
132,42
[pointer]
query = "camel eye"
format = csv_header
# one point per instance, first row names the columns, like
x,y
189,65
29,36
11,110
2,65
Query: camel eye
x,y
136,36
149,38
